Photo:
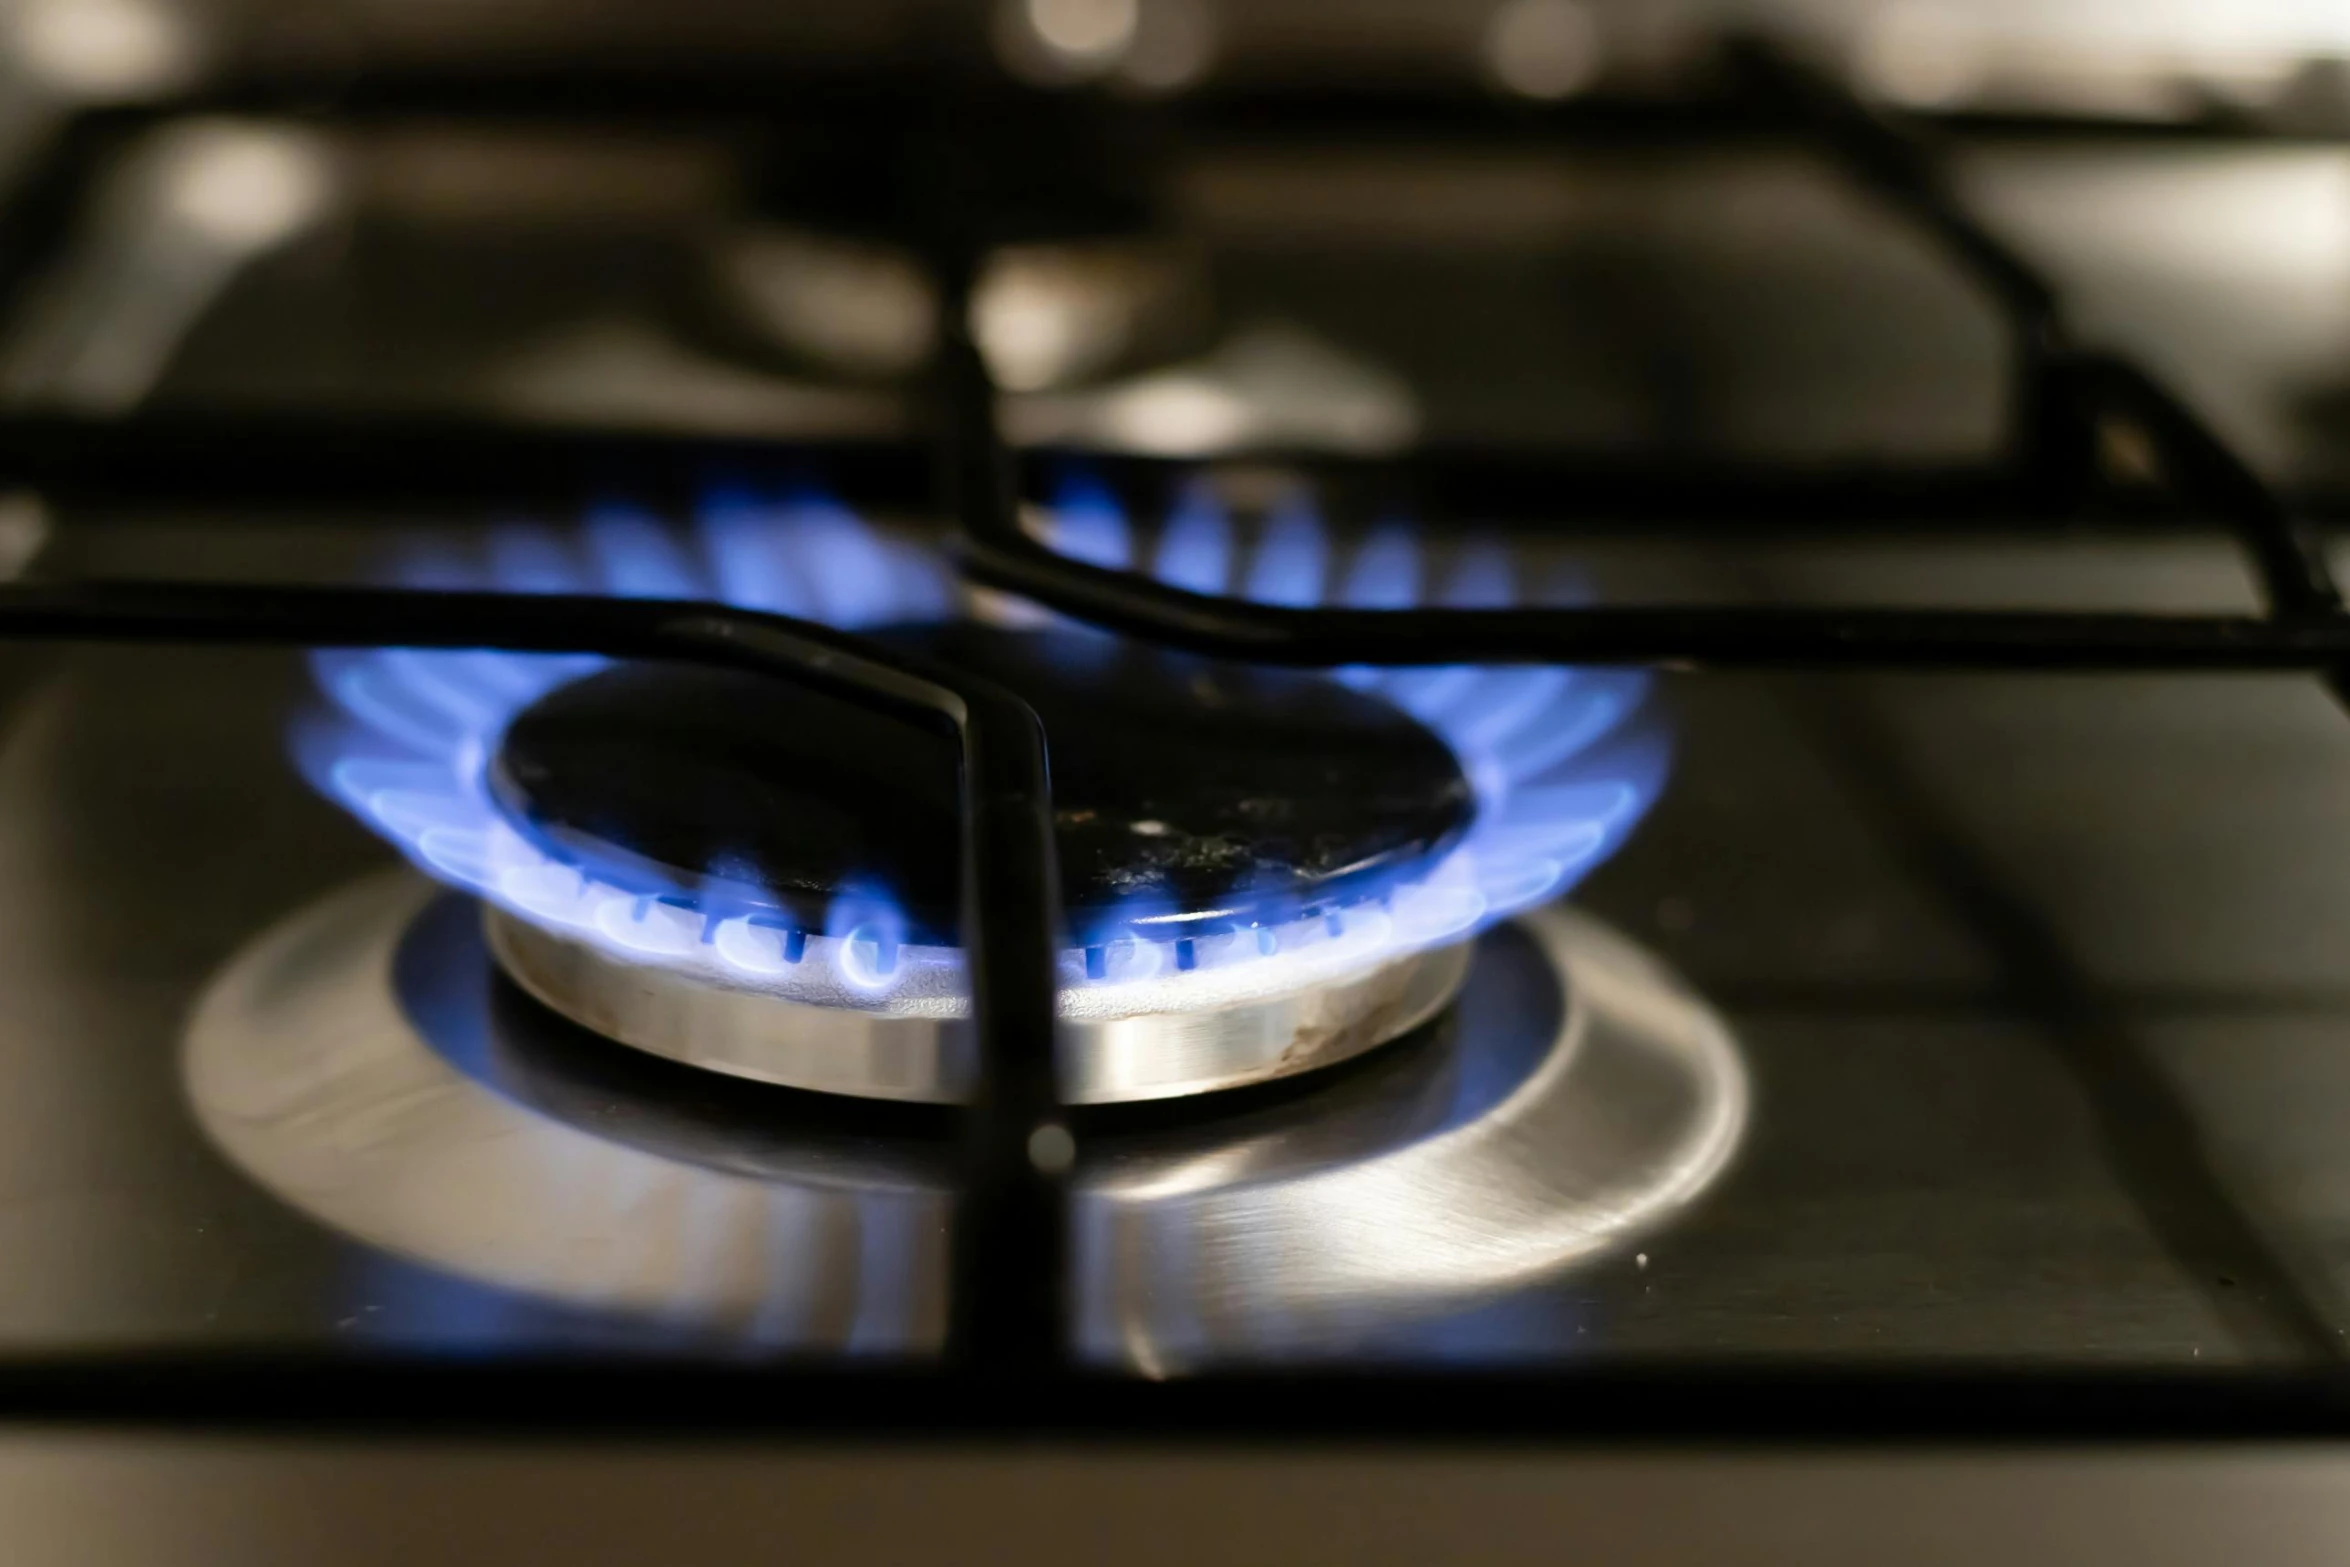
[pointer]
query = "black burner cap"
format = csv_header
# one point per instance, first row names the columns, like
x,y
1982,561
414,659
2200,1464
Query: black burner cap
x,y
1197,795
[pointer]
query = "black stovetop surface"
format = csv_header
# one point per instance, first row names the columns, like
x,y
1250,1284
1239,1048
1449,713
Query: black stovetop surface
x,y
2035,973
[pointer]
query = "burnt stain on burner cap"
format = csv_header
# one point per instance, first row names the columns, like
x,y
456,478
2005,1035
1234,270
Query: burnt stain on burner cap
x,y
1190,796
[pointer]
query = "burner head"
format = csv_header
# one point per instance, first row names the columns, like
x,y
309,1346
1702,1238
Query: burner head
x,y
1190,797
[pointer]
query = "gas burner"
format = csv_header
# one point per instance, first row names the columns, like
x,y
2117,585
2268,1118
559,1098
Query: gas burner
x,y
1192,799
360,1062
1265,872
1209,817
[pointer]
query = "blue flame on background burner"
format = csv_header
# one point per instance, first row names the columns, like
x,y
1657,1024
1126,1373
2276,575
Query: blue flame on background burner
x,y
1562,761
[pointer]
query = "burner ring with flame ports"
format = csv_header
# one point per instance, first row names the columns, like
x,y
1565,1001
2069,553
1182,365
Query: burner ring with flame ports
x,y
1239,854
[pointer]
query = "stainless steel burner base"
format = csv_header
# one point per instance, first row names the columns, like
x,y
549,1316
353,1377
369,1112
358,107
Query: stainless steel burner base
x,y
355,1062
688,1016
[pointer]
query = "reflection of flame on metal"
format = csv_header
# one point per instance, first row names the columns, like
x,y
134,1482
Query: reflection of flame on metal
x,y
1560,761
466,1179
354,1062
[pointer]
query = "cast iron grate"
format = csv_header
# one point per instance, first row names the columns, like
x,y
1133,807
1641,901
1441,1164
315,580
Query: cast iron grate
x,y
1006,1290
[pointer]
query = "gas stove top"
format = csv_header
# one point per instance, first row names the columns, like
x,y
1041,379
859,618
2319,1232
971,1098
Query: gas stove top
x,y
1099,761
1887,1023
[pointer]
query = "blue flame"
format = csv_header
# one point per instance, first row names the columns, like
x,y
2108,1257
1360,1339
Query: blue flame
x,y
1561,760
1088,524
1385,573
1292,556
871,930
1195,547
408,749
1564,761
